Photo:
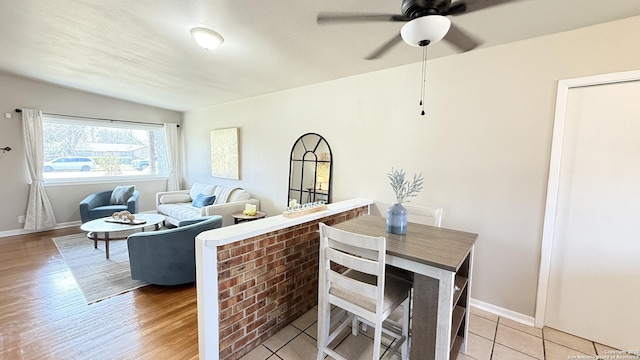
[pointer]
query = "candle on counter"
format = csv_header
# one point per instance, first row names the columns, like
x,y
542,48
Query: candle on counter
x,y
250,210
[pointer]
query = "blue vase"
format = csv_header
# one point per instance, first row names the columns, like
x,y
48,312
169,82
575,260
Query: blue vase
x,y
397,219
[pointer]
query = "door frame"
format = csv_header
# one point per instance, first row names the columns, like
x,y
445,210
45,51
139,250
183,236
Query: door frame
x,y
549,225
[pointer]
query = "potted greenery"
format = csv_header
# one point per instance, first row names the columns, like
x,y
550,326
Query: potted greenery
x,y
404,189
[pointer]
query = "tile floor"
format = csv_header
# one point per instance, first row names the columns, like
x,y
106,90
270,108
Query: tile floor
x,y
490,338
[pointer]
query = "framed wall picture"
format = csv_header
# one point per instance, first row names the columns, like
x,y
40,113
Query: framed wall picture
x,y
225,156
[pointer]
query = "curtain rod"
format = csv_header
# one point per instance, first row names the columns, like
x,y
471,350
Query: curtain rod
x,y
94,118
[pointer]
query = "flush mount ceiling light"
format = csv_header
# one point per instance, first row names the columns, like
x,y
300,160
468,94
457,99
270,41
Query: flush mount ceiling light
x,y
207,39
425,30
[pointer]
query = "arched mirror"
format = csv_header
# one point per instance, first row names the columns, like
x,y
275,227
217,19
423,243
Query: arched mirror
x,y
310,170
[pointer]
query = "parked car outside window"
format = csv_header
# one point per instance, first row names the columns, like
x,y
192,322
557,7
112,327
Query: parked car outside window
x,y
70,163
141,164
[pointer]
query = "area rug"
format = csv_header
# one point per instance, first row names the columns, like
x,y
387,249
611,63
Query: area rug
x,y
98,278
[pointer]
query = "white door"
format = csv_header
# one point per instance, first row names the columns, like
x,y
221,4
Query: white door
x,y
594,274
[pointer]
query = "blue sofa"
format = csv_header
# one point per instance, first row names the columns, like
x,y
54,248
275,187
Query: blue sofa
x,y
96,206
168,257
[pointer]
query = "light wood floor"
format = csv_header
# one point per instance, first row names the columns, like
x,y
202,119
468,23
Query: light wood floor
x,y
44,316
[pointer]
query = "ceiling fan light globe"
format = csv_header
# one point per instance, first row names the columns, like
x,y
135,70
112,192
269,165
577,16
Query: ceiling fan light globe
x,y
431,27
207,39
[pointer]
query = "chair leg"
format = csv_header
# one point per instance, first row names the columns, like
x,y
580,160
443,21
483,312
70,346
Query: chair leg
x,y
406,312
354,326
324,322
377,339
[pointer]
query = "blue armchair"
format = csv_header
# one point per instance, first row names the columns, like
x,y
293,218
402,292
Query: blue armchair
x,y
96,206
168,257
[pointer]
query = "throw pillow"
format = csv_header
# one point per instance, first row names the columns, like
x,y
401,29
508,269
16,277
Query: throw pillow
x,y
203,200
121,194
175,198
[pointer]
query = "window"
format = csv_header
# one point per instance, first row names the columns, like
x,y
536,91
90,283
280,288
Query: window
x,y
79,149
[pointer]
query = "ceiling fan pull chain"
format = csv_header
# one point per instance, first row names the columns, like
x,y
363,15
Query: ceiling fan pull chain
x,y
424,78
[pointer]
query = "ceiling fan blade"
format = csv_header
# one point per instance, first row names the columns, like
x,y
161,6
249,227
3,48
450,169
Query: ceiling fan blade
x,y
461,39
456,8
473,5
384,48
327,18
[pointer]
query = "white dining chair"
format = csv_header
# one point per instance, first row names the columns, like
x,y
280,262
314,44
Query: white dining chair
x,y
419,215
363,290
424,215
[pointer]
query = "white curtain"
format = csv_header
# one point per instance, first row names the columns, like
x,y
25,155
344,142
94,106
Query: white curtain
x,y
173,156
39,211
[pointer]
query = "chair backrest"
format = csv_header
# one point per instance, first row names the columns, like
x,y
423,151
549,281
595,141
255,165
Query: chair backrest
x,y
424,215
167,257
362,291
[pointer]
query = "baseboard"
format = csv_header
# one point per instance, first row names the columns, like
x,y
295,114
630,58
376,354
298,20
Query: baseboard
x,y
8,233
509,314
23,231
69,224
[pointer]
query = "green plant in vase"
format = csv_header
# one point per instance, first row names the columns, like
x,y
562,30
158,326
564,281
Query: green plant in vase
x,y
404,189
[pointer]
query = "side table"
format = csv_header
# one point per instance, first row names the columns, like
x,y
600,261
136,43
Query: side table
x,y
239,217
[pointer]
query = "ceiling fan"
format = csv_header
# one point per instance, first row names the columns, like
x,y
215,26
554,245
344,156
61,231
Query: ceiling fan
x,y
426,23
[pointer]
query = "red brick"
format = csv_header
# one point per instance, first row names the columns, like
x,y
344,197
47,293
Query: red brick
x,y
275,247
227,303
274,281
229,340
263,243
244,340
224,294
254,325
274,264
265,294
225,353
236,270
265,276
230,263
253,274
266,309
255,307
223,255
243,323
243,287
258,253
224,247
224,284
239,307
230,320
237,251
225,313
223,333
255,290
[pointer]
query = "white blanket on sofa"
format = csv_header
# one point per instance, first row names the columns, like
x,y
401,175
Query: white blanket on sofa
x,y
222,194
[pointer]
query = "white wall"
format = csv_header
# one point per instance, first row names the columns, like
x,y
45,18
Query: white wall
x,y
16,92
483,146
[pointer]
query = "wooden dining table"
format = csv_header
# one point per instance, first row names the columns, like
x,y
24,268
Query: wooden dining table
x,y
441,261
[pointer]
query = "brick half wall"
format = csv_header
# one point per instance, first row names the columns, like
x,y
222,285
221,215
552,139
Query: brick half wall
x,y
268,281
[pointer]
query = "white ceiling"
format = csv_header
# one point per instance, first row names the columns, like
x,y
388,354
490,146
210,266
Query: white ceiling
x,y
142,50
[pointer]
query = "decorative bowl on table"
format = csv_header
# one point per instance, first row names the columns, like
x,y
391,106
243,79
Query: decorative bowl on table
x,y
124,217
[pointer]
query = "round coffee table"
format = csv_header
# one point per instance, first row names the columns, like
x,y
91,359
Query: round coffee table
x,y
240,216
102,226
